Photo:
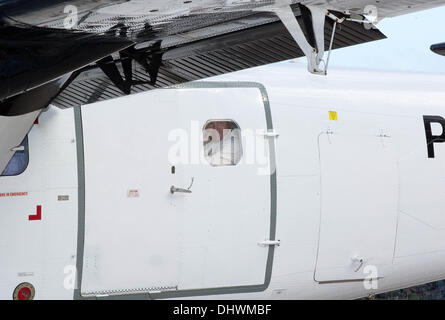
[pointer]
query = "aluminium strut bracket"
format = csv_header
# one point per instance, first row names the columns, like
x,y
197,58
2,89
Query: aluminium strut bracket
x,y
314,52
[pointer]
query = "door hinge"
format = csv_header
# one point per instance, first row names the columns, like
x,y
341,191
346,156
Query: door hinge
x,y
270,134
266,243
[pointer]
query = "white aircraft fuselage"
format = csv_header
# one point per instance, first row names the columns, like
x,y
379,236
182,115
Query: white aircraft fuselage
x,y
322,187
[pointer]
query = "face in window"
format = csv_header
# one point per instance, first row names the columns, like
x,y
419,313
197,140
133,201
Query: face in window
x,y
222,142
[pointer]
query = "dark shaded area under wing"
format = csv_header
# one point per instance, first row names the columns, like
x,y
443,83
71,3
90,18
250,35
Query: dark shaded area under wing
x,y
238,50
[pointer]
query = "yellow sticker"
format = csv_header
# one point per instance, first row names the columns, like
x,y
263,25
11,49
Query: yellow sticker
x,y
333,115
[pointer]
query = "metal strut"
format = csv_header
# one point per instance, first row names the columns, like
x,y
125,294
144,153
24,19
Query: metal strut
x,y
318,17
151,61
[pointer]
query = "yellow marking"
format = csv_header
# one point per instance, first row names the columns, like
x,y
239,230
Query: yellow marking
x,y
333,115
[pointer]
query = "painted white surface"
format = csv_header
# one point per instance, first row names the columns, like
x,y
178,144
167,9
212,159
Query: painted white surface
x,y
407,243
368,103
205,239
359,188
39,251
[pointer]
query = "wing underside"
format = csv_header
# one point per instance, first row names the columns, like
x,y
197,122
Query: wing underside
x,y
388,8
174,43
230,46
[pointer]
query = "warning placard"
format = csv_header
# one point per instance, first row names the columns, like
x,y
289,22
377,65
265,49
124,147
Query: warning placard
x,y
13,194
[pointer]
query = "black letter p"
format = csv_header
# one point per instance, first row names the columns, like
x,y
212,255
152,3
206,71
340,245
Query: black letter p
x,y
430,138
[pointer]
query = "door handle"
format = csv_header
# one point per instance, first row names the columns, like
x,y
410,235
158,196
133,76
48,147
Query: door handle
x,y
174,189
359,260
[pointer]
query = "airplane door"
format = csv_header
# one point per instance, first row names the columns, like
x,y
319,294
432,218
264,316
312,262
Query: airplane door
x,y
359,193
170,208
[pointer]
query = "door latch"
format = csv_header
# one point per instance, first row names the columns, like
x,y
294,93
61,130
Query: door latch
x,y
359,260
174,189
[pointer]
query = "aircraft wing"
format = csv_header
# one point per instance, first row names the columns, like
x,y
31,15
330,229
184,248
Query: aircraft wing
x,y
385,8
81,51
233,45
112,47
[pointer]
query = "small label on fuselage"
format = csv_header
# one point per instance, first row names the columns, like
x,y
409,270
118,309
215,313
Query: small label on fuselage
x,y
13,194
25,274
133,193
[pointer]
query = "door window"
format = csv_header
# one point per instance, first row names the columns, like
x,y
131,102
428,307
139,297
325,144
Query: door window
x,y
19,160
222,143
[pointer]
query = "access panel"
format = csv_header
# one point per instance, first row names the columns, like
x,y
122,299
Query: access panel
x,y
359,192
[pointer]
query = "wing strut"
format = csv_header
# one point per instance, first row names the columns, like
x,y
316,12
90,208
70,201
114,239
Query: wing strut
x,y
315,26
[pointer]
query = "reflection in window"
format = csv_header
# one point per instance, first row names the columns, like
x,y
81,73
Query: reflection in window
x,y
19,160
222,143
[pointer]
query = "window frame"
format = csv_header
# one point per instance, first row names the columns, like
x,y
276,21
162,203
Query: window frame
x,y
25,143
241,147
